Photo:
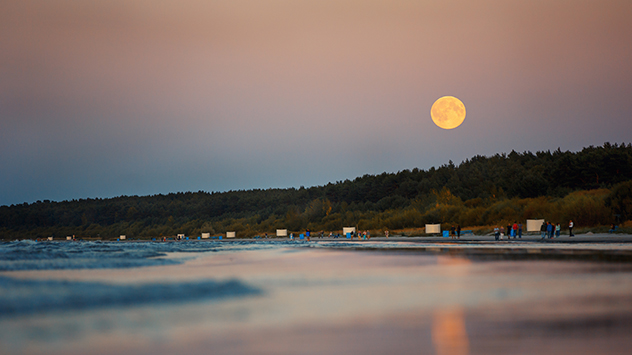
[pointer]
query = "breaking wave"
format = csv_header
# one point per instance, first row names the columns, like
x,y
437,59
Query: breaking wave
x,y
31,255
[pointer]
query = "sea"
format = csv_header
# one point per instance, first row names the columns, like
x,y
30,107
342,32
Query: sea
x,y
406,296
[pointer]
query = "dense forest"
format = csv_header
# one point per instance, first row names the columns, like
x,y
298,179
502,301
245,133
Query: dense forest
x,y
592,187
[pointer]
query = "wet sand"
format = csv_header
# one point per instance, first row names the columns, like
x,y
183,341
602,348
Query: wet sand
x,y
414,296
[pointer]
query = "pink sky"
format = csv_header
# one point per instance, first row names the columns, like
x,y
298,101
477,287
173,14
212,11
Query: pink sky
x,y
104,98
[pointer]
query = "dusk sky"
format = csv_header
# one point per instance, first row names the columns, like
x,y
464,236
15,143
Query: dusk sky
x,y
127,97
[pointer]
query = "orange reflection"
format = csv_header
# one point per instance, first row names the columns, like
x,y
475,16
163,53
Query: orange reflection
x,y
449,335
452,260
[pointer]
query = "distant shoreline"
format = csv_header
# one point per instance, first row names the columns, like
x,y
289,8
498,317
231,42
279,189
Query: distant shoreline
x,y
621,238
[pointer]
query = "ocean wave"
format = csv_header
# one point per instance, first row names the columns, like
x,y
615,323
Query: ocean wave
x,y
27,255
24,297
31,255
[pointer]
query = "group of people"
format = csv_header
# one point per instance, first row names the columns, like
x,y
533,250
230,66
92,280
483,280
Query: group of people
x,y
514,231
550,230
455,232
366,235
547,230
361,235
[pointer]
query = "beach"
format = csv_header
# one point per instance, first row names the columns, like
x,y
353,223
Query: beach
x,y
401,295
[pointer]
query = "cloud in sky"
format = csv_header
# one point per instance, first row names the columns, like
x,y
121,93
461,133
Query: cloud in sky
x,y
104,98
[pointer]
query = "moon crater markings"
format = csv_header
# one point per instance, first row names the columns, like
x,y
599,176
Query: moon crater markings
x,y
448,112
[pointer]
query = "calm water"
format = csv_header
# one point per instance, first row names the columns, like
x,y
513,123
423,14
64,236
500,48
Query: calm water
x,y
319,297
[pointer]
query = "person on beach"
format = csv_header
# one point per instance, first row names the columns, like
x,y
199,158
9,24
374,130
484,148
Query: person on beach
x,y
502,232
452,234
543,229
514,229
558,230
496,232
291,236
386,234
458,231
549,229
520,230
570,229
508,231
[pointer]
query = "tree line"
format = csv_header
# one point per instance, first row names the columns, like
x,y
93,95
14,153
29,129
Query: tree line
x,y
592,186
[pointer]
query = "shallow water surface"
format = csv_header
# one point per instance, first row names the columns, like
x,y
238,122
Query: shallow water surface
x,y
297,297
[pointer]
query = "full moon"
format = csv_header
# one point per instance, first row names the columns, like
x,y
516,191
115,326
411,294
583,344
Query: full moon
x,y
448,112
